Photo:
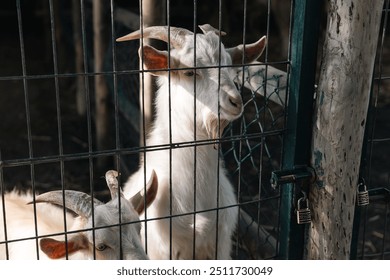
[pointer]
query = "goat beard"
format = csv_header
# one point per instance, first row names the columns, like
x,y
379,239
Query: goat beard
x,y
214,127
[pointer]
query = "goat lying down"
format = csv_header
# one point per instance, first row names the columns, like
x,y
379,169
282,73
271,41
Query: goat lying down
x,y
195,100
102,243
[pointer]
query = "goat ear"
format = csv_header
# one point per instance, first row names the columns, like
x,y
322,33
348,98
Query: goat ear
x,y
138,200
55,249
154,59
251,52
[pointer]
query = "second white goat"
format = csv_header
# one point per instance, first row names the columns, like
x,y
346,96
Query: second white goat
x,y
195,101
95,236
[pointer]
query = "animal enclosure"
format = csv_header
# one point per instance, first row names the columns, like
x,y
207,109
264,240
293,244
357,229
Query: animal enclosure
x,y
74,103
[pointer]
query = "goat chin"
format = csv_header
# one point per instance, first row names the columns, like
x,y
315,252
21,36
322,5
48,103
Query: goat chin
x,y
215,126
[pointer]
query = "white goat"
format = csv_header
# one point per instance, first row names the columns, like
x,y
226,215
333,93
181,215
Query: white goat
x,y
105,242
217,102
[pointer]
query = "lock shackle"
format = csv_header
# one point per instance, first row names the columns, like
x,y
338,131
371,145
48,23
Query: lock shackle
x,y
303,198
360,185
303,211
362,182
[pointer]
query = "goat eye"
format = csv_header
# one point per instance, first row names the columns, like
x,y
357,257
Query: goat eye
x,y
189,73
101,247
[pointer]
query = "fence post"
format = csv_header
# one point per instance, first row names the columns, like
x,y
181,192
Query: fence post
x,y
340,118
297,141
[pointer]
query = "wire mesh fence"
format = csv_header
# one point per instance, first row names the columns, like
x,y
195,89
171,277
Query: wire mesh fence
x,y
49,133
258,152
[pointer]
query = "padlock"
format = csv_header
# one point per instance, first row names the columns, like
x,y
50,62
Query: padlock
x,y
362,195
303,211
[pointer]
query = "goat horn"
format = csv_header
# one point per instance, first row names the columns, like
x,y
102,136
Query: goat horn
x,y
160,33
151,190
208,28
78,202
112,183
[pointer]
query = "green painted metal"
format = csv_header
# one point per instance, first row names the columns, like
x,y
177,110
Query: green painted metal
x,y
298,174
297,141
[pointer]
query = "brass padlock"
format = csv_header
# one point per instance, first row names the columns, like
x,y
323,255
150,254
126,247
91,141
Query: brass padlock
x,y
362,195
303,211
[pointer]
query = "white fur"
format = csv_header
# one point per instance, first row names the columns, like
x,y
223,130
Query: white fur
x,y
20,224
211,190
50,220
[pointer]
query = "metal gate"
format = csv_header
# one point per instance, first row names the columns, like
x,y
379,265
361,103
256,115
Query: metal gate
x,y
49,136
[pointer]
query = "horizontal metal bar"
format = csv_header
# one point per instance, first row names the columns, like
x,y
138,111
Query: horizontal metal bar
x,y
294,175
382,78
126,151
379,191
126,72
379,140
379,195
190,213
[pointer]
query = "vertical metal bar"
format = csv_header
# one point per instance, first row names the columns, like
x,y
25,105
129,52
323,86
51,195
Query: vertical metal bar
x,y
260,183
28,116
195,138
219,130
385,230
88,111
115,87
116,117
296,151
142,104
170,129
4,214
58,109
242,123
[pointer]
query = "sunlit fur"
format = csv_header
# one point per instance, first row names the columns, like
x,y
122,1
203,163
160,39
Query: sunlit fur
x,y
50,220
202,176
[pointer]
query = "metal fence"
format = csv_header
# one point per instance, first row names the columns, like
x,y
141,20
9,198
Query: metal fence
x,y
372,229
48,134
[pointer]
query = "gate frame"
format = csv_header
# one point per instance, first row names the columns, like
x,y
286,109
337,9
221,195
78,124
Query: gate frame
x,y
297,140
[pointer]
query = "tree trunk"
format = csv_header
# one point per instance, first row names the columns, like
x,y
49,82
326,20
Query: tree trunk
x,y
153,13
340,118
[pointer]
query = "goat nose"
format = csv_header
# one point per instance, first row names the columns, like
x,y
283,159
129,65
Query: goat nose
x,y
236,102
